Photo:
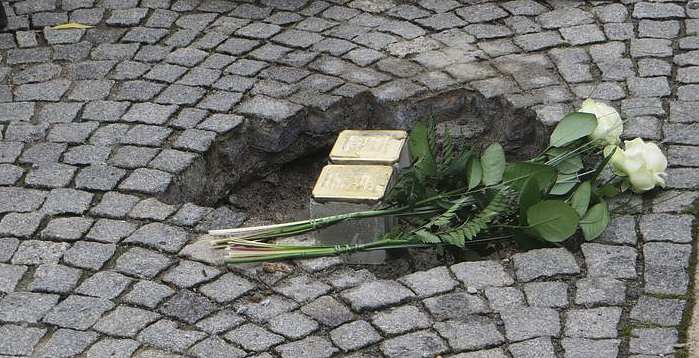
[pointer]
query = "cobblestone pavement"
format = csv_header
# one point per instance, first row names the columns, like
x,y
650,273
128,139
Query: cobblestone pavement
x,y
108,134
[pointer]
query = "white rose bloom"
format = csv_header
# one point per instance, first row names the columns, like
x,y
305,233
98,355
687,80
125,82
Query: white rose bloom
x,y
644,164
609,124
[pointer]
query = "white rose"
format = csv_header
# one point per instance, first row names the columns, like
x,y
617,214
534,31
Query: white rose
x,y
609,124
644,164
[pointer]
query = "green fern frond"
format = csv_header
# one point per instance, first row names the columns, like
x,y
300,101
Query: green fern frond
x,y
432,135
500,205
447,149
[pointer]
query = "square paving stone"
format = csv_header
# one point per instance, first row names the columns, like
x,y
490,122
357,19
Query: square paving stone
x,y
469,335
115,205
89,255
160,236
20,200
142,263
65,343
653,341
99,177
622,230
111,231
152,209
35,252
190,273
610,261
215,347
253,337
268,308
303,288
293,325
149,113
600,290
113,348
501,298
10,174
354,335
188,306
400,320
125,321
104,284
18,340
147,181
68,229
42,153
20,224
148,294
535,348
50,175
481,274
547,294
54,278
376,294
429,283
146,135
67,201
328,311
523,323
310,347
455,305
173,161
195,140
78,312
166,335
663,312
227,288
593,323
666,227
220,322
26,307
131,157
585,348
544,263
8,245
420,344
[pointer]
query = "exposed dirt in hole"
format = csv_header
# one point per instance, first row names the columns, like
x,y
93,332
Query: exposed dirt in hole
x,y
283,195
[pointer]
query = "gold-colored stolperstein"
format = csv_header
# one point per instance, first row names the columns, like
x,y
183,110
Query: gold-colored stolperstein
x,y
369,147
353,183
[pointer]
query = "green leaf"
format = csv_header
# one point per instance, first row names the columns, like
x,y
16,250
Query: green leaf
x,y
565,161
529,195
458,165
493,161
552,220
609,190
474,172
420,149
581,198
517,173
564,184
595,221
573,126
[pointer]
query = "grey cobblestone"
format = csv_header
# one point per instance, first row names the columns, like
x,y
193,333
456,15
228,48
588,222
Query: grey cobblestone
x,y
544,263
65,343
420,344
78,312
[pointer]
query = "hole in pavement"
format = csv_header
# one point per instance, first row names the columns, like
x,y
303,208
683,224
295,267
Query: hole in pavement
x,y
265,156
267,170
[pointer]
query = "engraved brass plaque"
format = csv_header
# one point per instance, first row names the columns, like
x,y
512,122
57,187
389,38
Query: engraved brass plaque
x,y
353,183
368,147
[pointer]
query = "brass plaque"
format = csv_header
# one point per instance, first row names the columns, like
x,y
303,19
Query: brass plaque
x,y
368,147
353,183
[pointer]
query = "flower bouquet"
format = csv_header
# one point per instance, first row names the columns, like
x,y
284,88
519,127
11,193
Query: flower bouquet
x,y
451,198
